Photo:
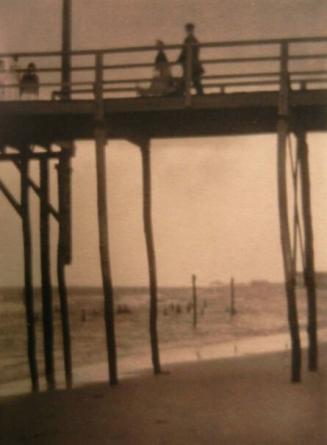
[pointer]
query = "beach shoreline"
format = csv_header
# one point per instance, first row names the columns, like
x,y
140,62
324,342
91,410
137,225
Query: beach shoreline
x,y
238,400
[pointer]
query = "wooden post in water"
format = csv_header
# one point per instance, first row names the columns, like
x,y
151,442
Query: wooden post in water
x,y
195,301
64,203
309,270
282,133
100,142
146,163
46,274
232,298
28,275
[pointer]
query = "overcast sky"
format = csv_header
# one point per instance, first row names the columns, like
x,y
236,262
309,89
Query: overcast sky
x,y
215,208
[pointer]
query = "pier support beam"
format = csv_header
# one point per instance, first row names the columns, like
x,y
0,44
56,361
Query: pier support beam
x,y
289,271
46,274
28,280
146,162
309,269
63,257
101,140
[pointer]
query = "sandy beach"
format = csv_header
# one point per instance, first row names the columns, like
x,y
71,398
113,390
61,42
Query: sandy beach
x,y
232,401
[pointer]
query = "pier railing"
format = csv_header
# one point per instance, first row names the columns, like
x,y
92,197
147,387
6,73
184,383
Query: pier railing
x,y
249,65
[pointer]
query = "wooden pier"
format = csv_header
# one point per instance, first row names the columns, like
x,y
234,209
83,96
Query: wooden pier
x,y
287,97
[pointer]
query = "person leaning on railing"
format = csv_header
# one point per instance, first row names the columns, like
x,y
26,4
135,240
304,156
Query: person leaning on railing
x,y
29,83
197,68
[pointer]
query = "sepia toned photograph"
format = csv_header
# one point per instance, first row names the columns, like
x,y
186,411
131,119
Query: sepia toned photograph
x,y
163,214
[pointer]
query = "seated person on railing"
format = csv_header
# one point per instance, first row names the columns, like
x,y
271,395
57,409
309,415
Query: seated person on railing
x,y
196,66
163,83
29,83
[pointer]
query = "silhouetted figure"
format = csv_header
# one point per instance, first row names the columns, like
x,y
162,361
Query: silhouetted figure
x,y
178,309
197,69
29,83
163,83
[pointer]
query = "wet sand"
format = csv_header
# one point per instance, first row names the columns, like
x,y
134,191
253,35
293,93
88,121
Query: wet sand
x,y
232,401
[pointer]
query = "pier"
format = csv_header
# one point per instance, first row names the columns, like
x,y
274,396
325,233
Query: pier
x,y
276,86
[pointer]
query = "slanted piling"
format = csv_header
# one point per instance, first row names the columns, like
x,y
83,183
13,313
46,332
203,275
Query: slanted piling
x,y
28,274
289,272
46,274
309,269
147,216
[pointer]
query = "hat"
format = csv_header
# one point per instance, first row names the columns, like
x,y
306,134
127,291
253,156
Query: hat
x,y
189,26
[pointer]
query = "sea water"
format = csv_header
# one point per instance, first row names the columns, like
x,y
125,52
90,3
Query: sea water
x,y
259,325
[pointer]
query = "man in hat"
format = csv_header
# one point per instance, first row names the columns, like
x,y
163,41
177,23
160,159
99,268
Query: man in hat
x,y
197,69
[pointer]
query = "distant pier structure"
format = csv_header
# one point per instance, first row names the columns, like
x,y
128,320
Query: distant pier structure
x,y
252,87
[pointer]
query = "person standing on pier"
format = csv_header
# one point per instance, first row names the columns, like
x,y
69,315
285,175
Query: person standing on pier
x,y
197,68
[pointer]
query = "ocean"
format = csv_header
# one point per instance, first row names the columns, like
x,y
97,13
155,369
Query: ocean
x,y
259,325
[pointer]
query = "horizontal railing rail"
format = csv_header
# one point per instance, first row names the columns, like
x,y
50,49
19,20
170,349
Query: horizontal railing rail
x,y
224,70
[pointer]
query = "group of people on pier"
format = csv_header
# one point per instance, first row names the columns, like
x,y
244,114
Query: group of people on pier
x,y
163,83
18,84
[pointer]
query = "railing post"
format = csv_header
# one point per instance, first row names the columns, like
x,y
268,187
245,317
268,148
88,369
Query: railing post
x,y
98,87
188,74
289,272
284,81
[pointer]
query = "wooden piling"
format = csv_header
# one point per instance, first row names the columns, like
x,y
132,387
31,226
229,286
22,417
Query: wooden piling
x,y
289,272
287,252
195,301
147,216
100,140
232,297
28,275
309,269
64,202
46,274
100,143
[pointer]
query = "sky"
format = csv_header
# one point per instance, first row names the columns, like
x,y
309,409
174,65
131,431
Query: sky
x,y
214,199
